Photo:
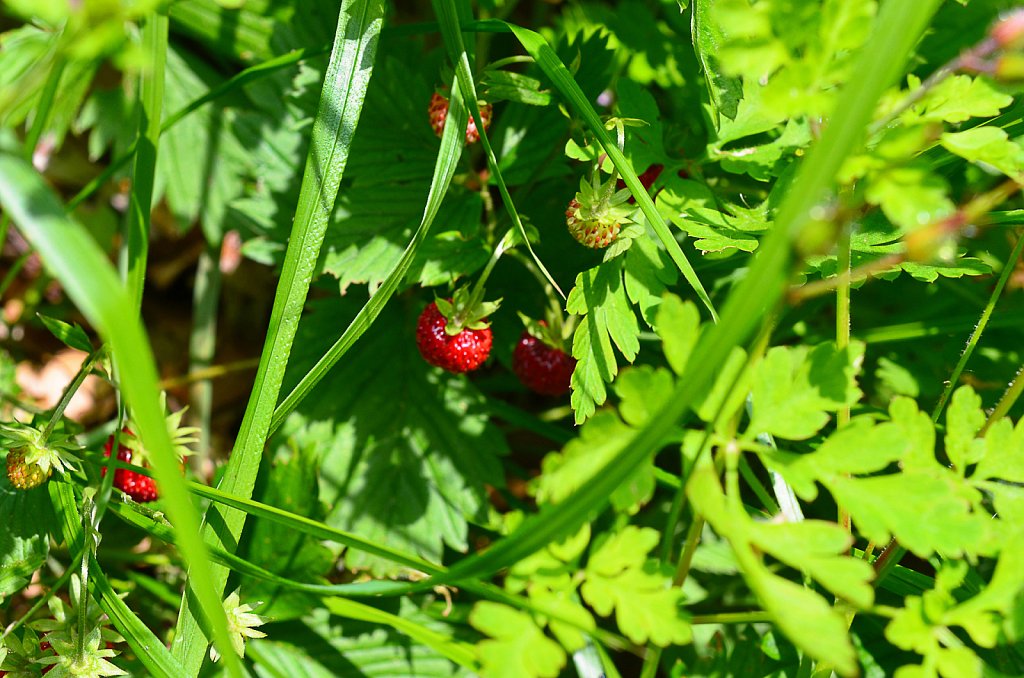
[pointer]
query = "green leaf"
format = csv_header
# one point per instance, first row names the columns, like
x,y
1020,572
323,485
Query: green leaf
x,y
620,578
795,388
24,534
433,448
600,297
319,644
281,549
956,99
71,335
964,419
805,617
518,649
988,146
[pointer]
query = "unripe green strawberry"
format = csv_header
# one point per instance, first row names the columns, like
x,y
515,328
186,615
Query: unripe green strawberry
x,y
25,475
597,213
33,455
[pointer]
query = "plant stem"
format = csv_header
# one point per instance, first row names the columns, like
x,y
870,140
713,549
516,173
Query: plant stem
x,y
89,549
151,97
203,345
986,314
211,372
1008,400
843,336
69,392
732,618
13,272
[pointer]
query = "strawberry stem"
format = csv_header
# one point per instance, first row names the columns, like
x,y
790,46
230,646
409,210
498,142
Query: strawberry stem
x,y
90,540
65,399
477,294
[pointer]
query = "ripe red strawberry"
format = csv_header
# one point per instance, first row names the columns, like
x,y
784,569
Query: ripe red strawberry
x,y
438,112
464,351
542,367
137,486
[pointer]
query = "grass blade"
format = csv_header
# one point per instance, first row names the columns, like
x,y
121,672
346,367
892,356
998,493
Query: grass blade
x,y
444,170
537,47
148,648
73,257
151,97
341,101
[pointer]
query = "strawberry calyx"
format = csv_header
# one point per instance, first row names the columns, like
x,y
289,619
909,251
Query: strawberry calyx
x,y
56,452
181,437
465,312
553,334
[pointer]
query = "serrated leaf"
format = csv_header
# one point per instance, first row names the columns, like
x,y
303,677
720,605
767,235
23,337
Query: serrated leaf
x,y
619,578
964,419
956,99
564,472
987,145
519,648
600,297
806,618
795,388
678,325
433,448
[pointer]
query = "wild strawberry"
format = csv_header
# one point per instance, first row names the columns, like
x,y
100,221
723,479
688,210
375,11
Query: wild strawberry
x,y
438,112
541,364
32,458
24,476
649,176
596,215
464,351
139,487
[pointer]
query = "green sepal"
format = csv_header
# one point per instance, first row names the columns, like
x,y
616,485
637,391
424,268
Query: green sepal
x,y
462,313
57,452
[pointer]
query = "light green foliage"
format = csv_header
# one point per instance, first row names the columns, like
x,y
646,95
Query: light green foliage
x,y
715,227
799,50
989,146
795,389
620,577
925,624
804,616
518,647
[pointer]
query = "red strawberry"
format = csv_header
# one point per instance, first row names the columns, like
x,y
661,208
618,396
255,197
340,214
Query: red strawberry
x,y
464,351
438,112
137,486
543,368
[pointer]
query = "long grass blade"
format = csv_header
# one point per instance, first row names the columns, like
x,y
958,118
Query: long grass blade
x,y
341,102
73,257
444,170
